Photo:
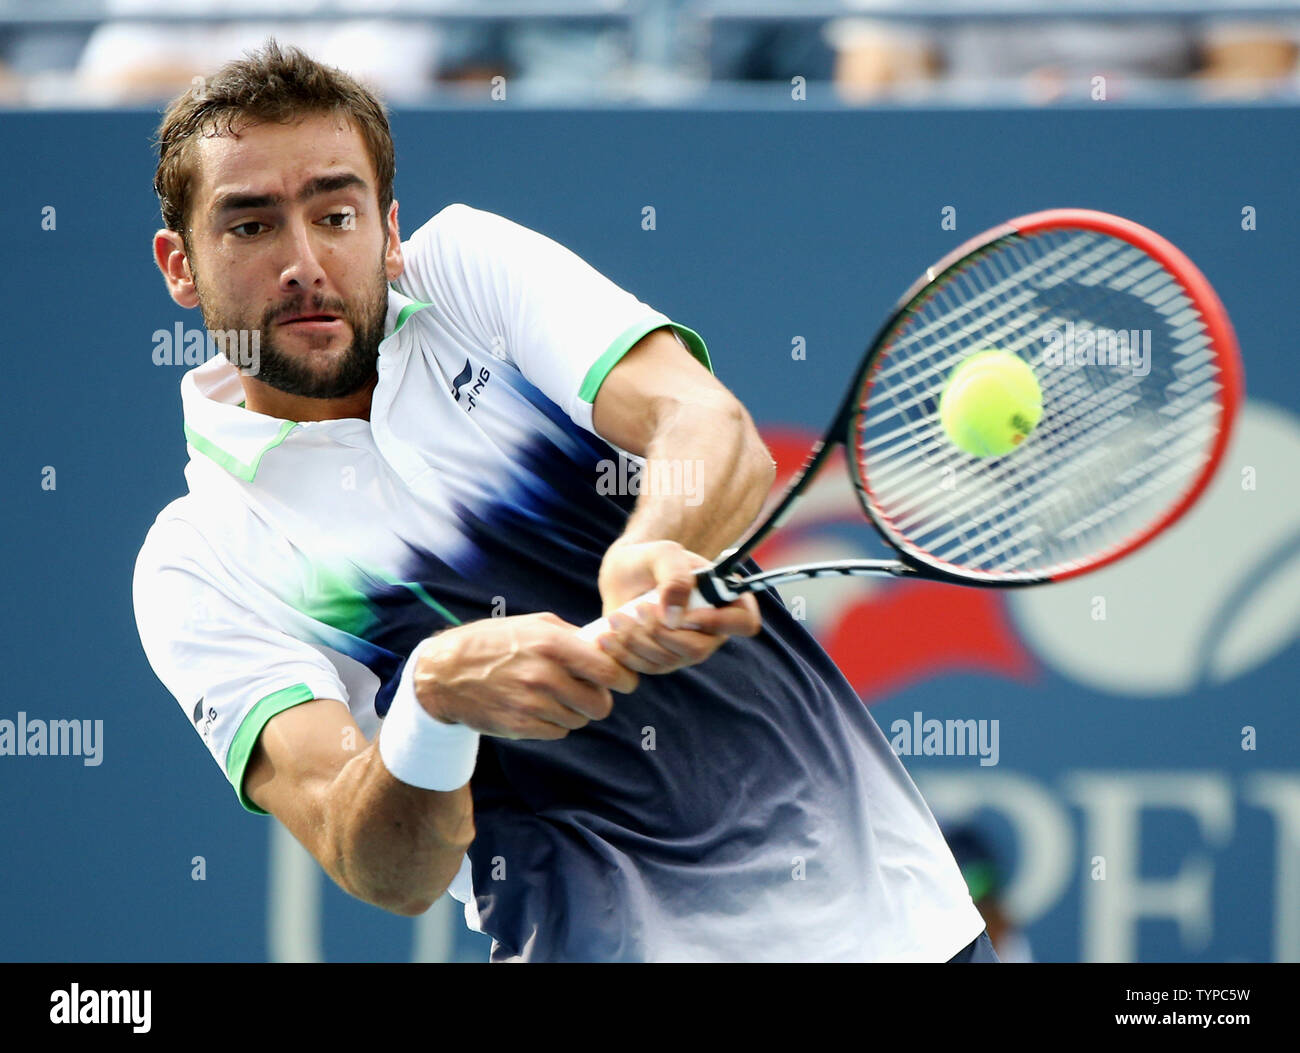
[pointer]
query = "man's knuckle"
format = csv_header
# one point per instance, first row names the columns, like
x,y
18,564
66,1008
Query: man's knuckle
x,y
547,647
538,677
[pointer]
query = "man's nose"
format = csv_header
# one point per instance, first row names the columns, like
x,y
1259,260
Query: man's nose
x,y
302,269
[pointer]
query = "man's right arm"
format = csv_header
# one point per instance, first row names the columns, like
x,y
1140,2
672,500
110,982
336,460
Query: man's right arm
x,y
267,706
395,845
385,842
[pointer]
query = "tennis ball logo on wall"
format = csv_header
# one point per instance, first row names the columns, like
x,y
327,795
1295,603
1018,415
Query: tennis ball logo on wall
x,y
1214,598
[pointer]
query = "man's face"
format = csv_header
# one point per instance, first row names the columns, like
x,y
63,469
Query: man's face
x,y
286,238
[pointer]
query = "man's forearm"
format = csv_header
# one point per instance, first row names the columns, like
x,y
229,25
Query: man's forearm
x,y
393,845
707,473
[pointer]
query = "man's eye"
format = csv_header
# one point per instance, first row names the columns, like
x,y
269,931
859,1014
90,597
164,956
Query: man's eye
x,y
342,220
242,230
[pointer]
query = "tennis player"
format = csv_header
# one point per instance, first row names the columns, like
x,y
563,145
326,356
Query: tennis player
x,y
399,514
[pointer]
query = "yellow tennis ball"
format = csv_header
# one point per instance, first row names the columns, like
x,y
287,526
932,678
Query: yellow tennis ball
x,y
991,403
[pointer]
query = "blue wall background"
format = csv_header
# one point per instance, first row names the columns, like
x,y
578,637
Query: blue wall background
x,y
768,225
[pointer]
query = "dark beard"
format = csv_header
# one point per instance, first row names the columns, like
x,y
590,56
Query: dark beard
x,y
357,367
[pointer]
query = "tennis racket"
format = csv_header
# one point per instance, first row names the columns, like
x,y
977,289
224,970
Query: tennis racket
x,y
1133,426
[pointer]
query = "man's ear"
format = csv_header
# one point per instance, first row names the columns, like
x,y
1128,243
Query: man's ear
x,y
169,253
393,262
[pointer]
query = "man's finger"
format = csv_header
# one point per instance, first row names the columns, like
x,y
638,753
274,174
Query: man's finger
x,y
637,638
690,645
532,728
583,660
612,646
576,703
653,628
675,580
739,618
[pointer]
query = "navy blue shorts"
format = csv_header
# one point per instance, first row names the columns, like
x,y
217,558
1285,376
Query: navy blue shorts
x,y
979,949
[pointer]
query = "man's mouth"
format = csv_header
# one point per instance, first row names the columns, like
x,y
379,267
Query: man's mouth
x,y
317,321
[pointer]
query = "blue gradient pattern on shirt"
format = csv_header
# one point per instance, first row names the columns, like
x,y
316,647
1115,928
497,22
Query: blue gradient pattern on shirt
x,y
601,838
741,834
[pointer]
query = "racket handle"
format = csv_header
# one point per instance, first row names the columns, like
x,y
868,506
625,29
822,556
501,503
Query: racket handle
x,y
594,629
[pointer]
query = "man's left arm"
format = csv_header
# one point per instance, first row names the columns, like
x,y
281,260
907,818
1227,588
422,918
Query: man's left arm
x,y
542,308
707,473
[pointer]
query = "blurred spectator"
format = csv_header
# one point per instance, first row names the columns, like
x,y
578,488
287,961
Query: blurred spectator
x,y
554,57
567,58
754,51
987,883
1248,59
34,56
138,62
133,62
1041,60
875,58
1035,58
1044,60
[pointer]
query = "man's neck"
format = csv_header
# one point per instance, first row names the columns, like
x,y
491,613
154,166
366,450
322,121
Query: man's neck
x,y
262,398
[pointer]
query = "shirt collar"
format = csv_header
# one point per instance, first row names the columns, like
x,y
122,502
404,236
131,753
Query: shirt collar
x,y
218,426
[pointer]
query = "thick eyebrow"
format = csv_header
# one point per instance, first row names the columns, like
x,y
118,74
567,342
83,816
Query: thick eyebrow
x,y
237,201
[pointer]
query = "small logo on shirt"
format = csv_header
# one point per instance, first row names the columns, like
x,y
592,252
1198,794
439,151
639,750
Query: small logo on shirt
x,y
203,724
464,377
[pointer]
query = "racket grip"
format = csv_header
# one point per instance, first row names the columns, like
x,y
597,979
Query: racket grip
x,y
592,630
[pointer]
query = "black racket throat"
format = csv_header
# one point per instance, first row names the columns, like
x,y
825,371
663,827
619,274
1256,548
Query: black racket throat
x,y
719,591
837,434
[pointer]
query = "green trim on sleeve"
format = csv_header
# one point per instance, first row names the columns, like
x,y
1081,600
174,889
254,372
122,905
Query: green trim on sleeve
x,y
624,343
229,461
251,726
406,313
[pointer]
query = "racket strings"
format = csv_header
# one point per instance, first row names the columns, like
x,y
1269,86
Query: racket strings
x,y
1092,407
1029,505
935,444
1124,468
964,306
1125,429
980,548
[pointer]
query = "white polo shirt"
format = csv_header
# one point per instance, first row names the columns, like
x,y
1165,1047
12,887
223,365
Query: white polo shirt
x,y
308,559
250,591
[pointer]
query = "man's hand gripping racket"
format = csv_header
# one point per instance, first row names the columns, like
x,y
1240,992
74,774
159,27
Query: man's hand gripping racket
x,y
1137,377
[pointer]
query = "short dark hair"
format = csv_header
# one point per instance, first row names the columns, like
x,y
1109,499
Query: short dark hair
x,y
270,84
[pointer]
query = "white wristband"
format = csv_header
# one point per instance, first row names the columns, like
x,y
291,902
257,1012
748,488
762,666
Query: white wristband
x,y
420,750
